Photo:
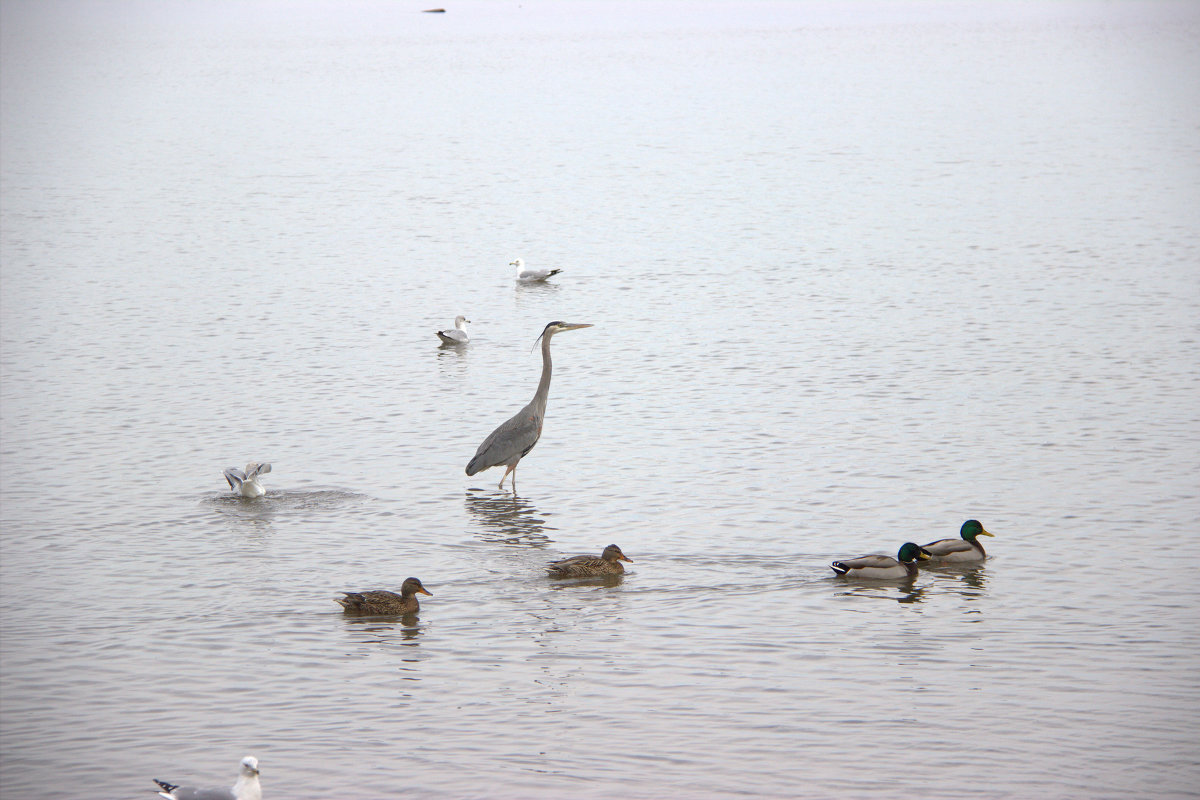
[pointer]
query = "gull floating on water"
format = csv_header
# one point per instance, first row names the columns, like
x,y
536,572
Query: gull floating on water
x,y
457,334
246,483
246,788
531,275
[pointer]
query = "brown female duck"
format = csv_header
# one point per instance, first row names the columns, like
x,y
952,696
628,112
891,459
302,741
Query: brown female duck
x,y
607,563
383,602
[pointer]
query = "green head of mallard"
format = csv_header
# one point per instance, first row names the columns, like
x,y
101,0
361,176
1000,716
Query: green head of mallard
x,y
972,529
910,552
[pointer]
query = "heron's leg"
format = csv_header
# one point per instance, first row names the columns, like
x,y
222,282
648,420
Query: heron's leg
x,y
510,468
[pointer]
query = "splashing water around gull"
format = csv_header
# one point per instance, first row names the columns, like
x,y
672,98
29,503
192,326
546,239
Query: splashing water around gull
x,y
531,275
246,788
246,483
457,334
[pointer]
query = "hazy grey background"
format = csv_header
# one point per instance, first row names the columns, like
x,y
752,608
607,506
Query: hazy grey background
x,y
857,272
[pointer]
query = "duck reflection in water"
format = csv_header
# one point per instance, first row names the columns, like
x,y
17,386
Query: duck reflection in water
x,y
368,634
969,580
600,581
901,592
507,519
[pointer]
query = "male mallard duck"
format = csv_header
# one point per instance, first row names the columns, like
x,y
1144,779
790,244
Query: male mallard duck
x,y
951,551
607,563
902,566
246,483
246,788
383,602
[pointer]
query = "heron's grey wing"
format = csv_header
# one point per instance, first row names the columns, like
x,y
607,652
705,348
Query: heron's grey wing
x,y
254,470
513,439
235,477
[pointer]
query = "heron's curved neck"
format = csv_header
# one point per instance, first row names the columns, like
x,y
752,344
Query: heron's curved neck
x,y
543,390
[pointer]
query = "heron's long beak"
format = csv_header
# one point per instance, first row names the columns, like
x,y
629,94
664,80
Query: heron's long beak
x,y
563,326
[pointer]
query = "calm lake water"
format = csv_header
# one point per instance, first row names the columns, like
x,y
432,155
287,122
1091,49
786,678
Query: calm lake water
x,y
856,272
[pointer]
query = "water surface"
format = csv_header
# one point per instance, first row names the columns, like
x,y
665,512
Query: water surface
x,y
856,274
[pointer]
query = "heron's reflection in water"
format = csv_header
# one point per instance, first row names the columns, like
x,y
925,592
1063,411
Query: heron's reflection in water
x,y
507,518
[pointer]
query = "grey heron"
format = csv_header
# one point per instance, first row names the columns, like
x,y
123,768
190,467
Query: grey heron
x,y
457,334
246,788
246,483
510,442
531,275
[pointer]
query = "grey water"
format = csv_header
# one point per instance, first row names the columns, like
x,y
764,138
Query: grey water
x,y
857,273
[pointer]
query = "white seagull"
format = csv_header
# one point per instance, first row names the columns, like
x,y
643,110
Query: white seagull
x,y
246,483
246,788
457,334
531,275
